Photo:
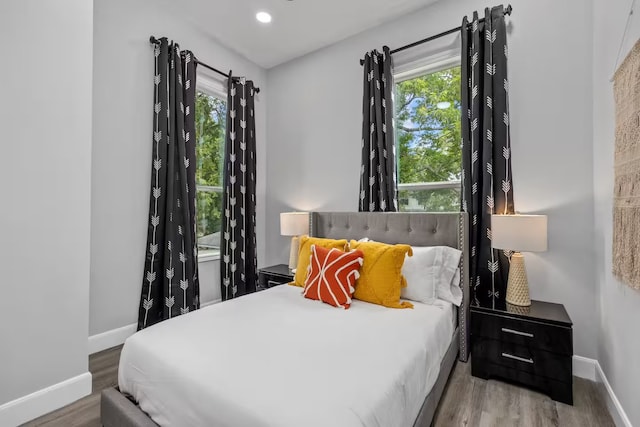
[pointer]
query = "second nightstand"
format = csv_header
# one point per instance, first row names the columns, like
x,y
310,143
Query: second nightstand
x,y
532,346
274,275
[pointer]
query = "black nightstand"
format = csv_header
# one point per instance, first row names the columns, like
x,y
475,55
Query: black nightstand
x,y
269,277
532,346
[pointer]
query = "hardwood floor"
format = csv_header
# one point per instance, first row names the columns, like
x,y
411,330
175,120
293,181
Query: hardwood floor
x,y
471,401
467,401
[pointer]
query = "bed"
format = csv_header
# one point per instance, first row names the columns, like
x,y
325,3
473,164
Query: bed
x,y
290,361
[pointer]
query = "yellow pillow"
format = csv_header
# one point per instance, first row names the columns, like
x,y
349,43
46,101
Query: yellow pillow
x,y
304,255
380,279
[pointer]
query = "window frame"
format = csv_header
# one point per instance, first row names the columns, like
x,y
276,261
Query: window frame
x,y
414,69
215,88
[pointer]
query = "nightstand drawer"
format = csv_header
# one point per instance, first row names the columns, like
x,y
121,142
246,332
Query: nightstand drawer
x,y
529,334
522,358
557,390
275,275
271,280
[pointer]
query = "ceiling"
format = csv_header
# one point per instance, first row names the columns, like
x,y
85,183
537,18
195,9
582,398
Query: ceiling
x,y
298,26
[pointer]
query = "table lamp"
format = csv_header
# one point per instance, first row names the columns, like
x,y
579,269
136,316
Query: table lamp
x,y
294,224
518,233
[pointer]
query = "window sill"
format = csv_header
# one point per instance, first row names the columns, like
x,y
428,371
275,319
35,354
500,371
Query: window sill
x,y
441,185
206,256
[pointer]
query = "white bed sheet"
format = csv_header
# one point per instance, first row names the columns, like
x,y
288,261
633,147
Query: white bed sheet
x,y
275,358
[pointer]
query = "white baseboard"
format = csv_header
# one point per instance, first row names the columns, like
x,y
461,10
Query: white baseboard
x,y
117,336
110,338
590,369
43,401
616,410
584,367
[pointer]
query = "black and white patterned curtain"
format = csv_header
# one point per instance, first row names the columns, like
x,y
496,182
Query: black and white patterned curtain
x,y
170,284
378,180
486,148
238,264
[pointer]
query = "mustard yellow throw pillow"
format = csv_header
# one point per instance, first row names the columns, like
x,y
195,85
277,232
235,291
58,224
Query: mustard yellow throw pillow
x,y
381,278
304,255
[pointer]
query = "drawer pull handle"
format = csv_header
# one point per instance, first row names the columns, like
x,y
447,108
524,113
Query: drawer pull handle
x,y
513,331
520,359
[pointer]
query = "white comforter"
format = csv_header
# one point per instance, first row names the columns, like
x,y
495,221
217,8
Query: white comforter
x,y
274,358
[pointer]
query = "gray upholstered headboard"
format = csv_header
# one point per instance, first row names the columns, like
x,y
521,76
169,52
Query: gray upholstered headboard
x,y
417,229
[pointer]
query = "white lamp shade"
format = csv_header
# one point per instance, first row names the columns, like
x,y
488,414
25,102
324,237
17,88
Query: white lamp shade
x,y
294,223
519,232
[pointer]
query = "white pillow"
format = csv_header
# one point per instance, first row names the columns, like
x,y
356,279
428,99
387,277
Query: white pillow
x,y
432,273
448,288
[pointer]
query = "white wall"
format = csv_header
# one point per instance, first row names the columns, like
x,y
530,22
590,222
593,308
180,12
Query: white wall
x,y
122,123
209,273
314,133
45,174
619,305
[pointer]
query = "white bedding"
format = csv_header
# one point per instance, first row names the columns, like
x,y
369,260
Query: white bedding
x,y
274,358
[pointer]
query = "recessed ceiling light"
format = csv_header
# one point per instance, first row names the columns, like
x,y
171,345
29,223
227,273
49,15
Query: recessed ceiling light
x,y
443,105
263,17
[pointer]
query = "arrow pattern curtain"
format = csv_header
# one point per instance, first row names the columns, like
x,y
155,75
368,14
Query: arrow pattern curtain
x,y
238,264
378,180
170,284
486,148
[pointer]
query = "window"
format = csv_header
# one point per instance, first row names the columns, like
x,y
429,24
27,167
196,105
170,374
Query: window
x,y
211,113
428,138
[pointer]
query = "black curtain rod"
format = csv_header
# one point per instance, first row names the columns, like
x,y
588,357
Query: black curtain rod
x,y
154,40
507,11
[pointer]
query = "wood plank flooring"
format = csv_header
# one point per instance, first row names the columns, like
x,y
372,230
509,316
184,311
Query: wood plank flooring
x,y
471,401
467,401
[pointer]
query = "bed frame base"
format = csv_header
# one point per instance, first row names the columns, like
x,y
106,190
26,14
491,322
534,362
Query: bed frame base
x,y
116,410
428,410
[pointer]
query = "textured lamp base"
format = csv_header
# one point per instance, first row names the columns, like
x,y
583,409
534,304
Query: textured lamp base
x,y
518,286
293,254
518,309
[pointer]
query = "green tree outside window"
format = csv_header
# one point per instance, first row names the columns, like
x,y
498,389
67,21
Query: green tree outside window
x,y
211,114
428,139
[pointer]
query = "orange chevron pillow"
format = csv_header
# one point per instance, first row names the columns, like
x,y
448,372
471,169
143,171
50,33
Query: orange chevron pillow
x,y
381,279
304,252
332,276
